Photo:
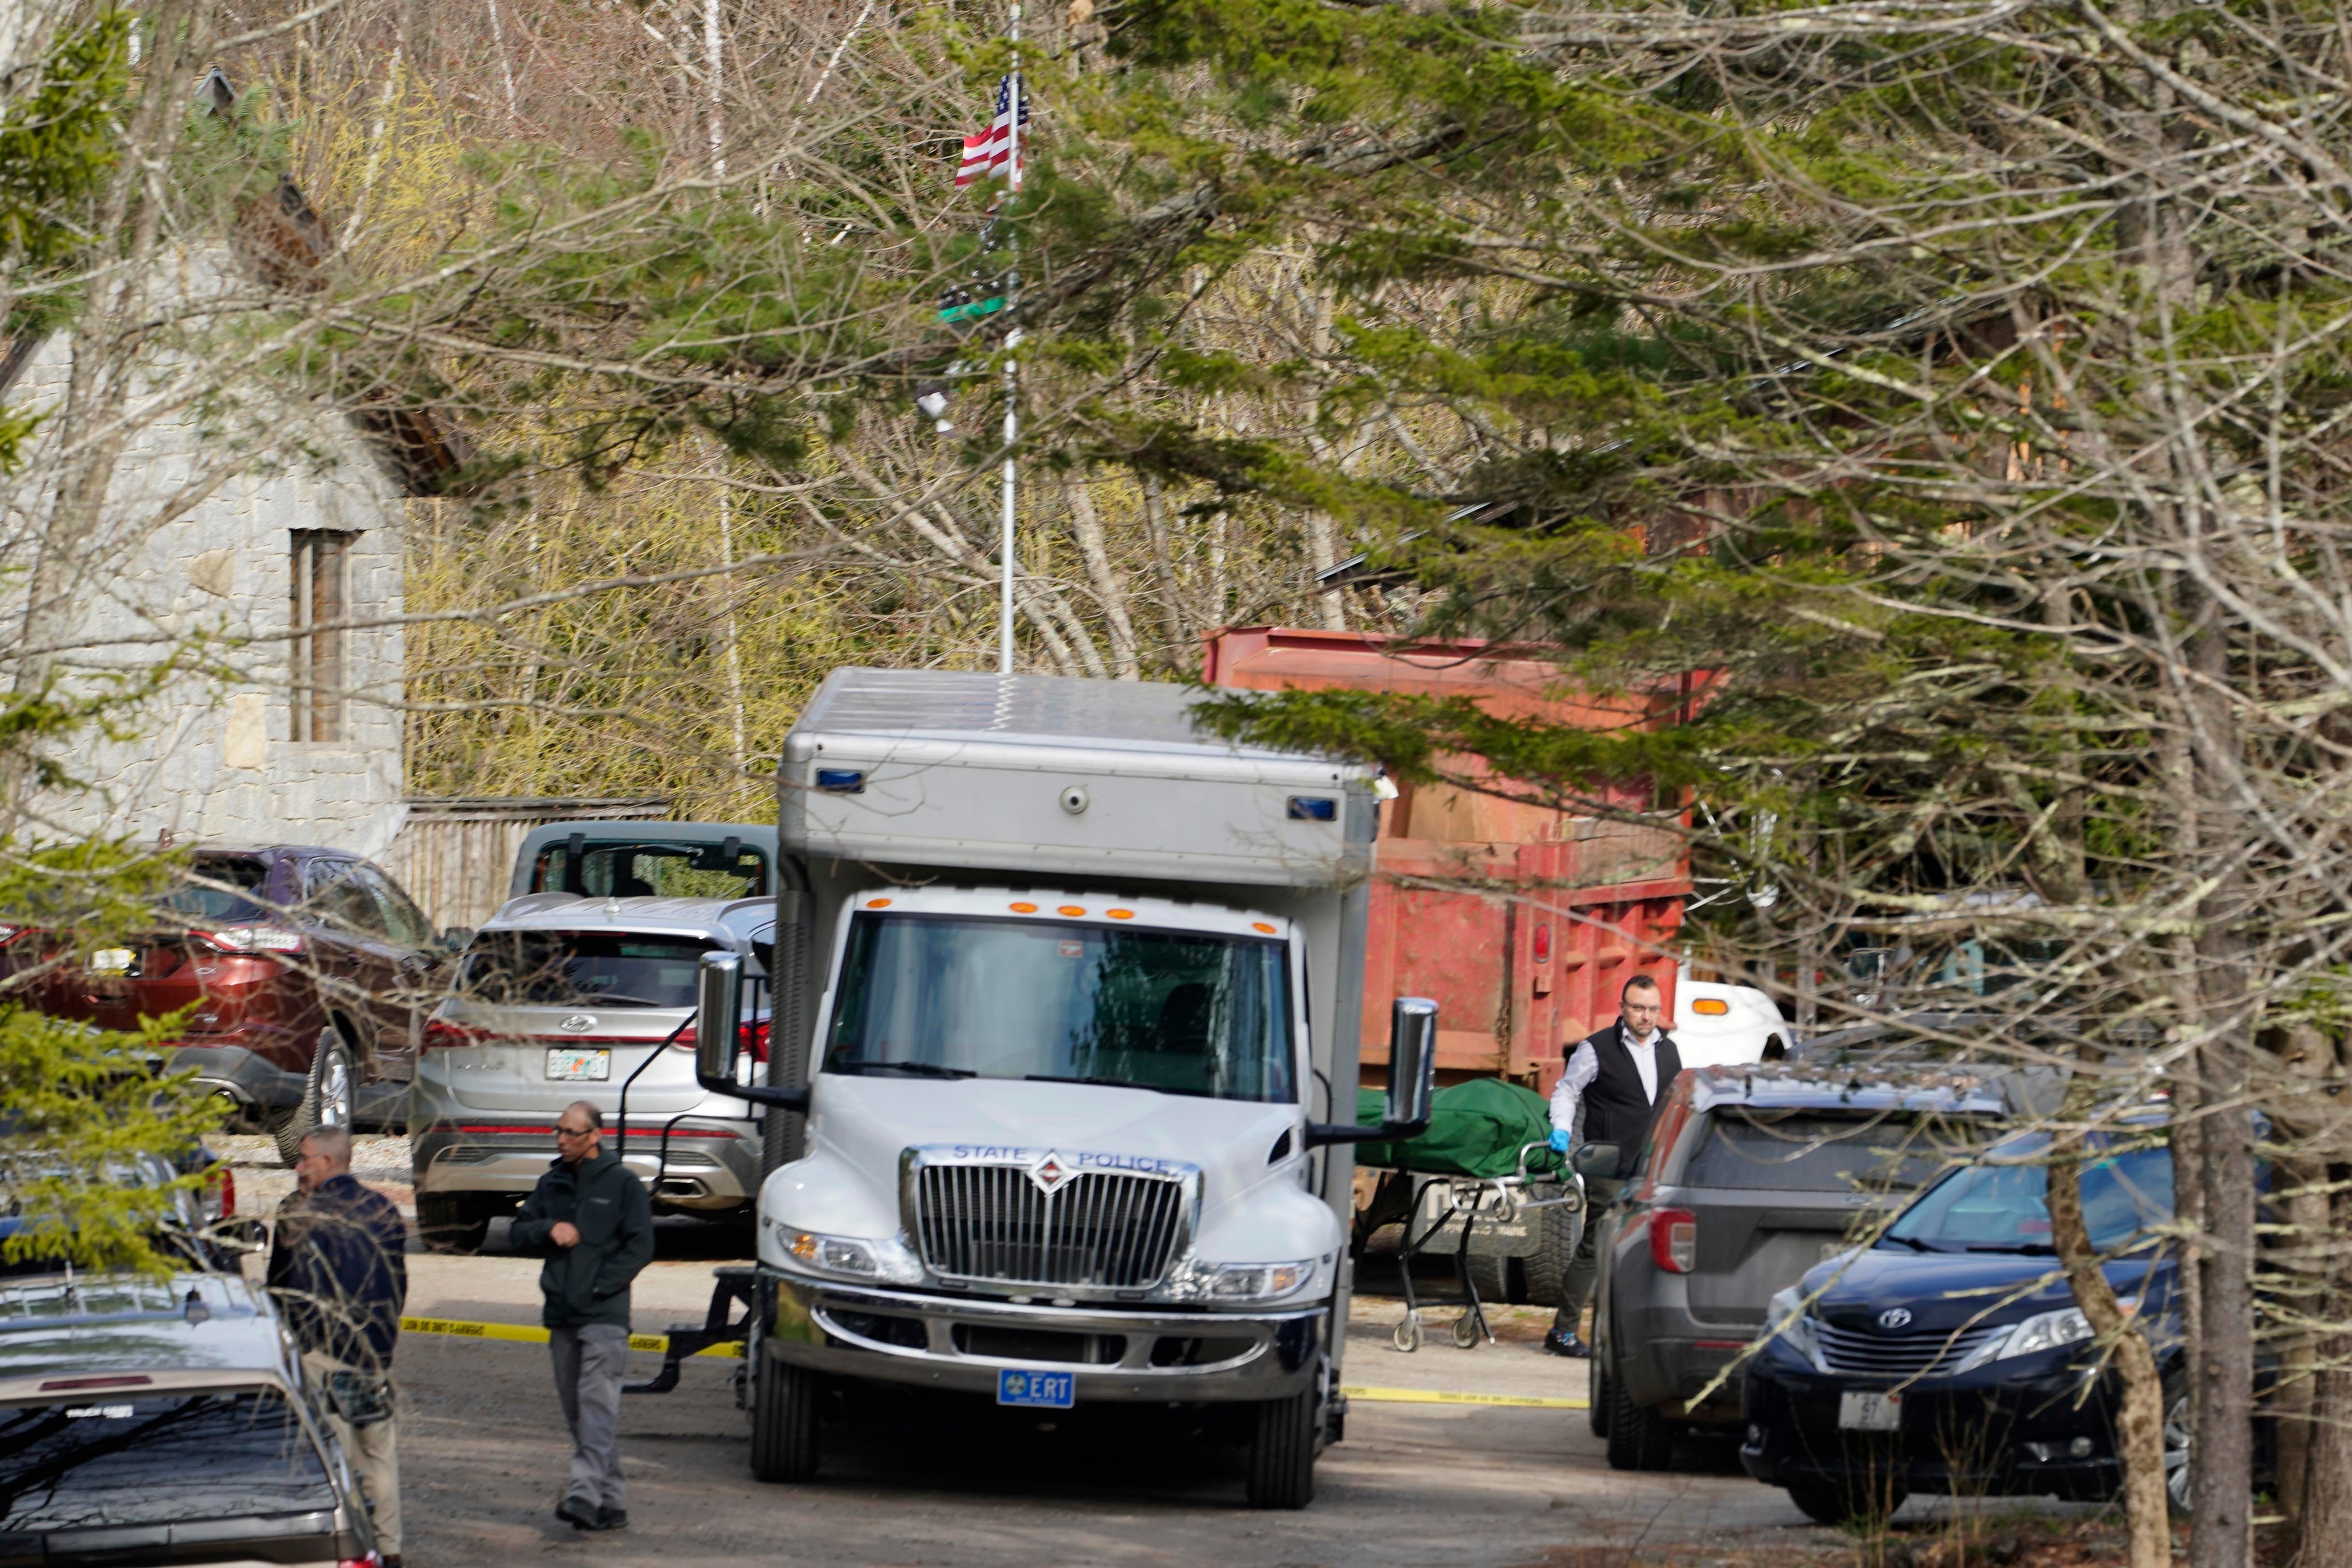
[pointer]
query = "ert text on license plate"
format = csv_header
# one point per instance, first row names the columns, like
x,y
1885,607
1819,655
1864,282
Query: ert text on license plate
x,y
1037,1390
1870,1412
577,1063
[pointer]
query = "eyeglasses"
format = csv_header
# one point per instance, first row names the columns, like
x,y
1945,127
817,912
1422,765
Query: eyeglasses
x,y
563,1131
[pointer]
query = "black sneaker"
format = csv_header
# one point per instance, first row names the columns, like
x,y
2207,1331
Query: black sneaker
x,y
1561,1341
575,1512
612,1519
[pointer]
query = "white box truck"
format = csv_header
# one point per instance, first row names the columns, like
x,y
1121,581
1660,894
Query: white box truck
x,y
1065,1002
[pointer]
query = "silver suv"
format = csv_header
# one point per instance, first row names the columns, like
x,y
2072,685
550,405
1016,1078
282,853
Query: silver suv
x,y
562,998
164,1421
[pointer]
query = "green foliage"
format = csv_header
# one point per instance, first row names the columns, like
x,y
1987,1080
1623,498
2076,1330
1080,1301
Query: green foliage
x,y
86,1109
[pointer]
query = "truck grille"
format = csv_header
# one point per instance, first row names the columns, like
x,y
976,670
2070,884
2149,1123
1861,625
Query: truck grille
x,y
1921,1354
1113,1229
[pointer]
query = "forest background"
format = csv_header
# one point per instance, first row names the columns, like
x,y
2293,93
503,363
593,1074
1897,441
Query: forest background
x,y
1955,389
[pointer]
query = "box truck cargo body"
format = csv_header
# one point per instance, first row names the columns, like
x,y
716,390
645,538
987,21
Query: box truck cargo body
x,y
1063,989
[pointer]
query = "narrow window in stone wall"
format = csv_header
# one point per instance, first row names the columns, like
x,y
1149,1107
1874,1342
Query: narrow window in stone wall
x,y
320,582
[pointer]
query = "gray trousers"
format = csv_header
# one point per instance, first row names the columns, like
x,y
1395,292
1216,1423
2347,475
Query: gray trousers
x,y
591,1363
1576,1283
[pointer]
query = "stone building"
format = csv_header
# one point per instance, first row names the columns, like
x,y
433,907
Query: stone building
x,y
234,519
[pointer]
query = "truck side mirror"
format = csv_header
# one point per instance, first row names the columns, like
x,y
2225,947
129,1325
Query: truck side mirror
x,y
1412,1080
1597,1162
718,1014
1412,1059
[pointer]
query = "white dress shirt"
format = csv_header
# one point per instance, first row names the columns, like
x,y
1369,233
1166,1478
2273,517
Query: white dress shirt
x,y
1584,1065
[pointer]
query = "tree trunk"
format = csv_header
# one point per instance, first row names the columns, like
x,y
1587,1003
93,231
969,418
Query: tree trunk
x,y
2140,1430
1086,523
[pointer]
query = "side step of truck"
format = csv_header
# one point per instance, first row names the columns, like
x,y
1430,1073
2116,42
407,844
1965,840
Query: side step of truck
x,y
717,1327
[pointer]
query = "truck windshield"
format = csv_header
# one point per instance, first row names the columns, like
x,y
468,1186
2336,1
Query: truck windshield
x,y
1180,1011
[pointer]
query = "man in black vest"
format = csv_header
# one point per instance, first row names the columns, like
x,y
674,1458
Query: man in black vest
x,y
1618,1075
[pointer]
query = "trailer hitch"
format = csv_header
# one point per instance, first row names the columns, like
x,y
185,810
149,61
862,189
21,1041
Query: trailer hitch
x,y
733,1284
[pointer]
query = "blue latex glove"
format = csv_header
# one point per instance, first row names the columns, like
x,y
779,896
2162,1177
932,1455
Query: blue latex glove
x,y
1559,1139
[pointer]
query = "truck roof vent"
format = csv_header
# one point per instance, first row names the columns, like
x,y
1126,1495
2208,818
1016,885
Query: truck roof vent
x,y
1281,1150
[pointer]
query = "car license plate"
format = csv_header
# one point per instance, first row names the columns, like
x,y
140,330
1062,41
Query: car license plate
x,y
1037,1390
575,1064
1870,1412
112,961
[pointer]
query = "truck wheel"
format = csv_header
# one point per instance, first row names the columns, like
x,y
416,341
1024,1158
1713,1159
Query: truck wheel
x,y
1596,1404
328,1100
452,1222
1556,1232
783,1422
1833,1504
1639,1437
1490,1275
1282,1453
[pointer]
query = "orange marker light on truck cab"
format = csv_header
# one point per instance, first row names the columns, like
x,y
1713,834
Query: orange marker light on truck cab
x,y
1070,909
877,903
1023,909
1261,925
1712,1007
1120,914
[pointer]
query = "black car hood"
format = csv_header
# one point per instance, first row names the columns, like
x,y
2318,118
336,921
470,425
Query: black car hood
x,y
1951,1290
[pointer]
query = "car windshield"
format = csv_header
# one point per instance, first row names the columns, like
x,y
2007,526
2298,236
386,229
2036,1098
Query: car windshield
x,y
638,868
107,1458
1999,1205
1750,1147
563,968
221,889
1175,1011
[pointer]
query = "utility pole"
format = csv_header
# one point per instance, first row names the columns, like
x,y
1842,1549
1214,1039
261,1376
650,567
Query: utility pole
x,y
1011,365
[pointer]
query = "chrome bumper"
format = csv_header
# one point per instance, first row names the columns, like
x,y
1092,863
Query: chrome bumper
x,y
700,1172
1117,1356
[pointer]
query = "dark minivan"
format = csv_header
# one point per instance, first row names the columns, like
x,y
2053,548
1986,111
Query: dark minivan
x,y
1751,1175
1949,1356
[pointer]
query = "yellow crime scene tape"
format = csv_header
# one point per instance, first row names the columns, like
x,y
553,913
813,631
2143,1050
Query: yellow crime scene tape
x,y
523,1333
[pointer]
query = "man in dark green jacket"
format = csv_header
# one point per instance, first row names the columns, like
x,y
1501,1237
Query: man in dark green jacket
x,y
595,1216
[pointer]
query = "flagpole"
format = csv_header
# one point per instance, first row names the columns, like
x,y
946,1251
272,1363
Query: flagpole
x,y
1012,366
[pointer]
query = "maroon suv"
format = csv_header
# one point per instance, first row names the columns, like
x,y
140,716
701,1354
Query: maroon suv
x,y
309,970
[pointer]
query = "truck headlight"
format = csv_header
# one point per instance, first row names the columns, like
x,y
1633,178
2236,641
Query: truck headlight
x,y
832,1254
845,1257
1258,1282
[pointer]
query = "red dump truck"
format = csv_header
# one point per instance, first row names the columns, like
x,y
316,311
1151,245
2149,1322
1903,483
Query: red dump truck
x,y
1522,923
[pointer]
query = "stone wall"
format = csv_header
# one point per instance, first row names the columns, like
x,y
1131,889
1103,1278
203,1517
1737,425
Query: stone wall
x,y
209,585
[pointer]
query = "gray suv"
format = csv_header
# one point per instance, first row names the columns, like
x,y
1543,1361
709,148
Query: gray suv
x,y
561,998
1751,1175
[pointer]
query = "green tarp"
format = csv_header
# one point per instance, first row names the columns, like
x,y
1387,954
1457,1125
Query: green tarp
x,y
1476,1129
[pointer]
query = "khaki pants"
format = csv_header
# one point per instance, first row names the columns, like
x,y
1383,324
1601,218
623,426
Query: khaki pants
x,y
373,1451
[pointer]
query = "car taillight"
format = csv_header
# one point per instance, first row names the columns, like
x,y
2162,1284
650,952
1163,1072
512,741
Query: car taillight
x,y
252,939
220,1194
448,1035
1674,1240
753,1038
10,934
369,1561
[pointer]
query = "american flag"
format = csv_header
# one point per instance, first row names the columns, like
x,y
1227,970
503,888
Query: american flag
x,y
993,149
